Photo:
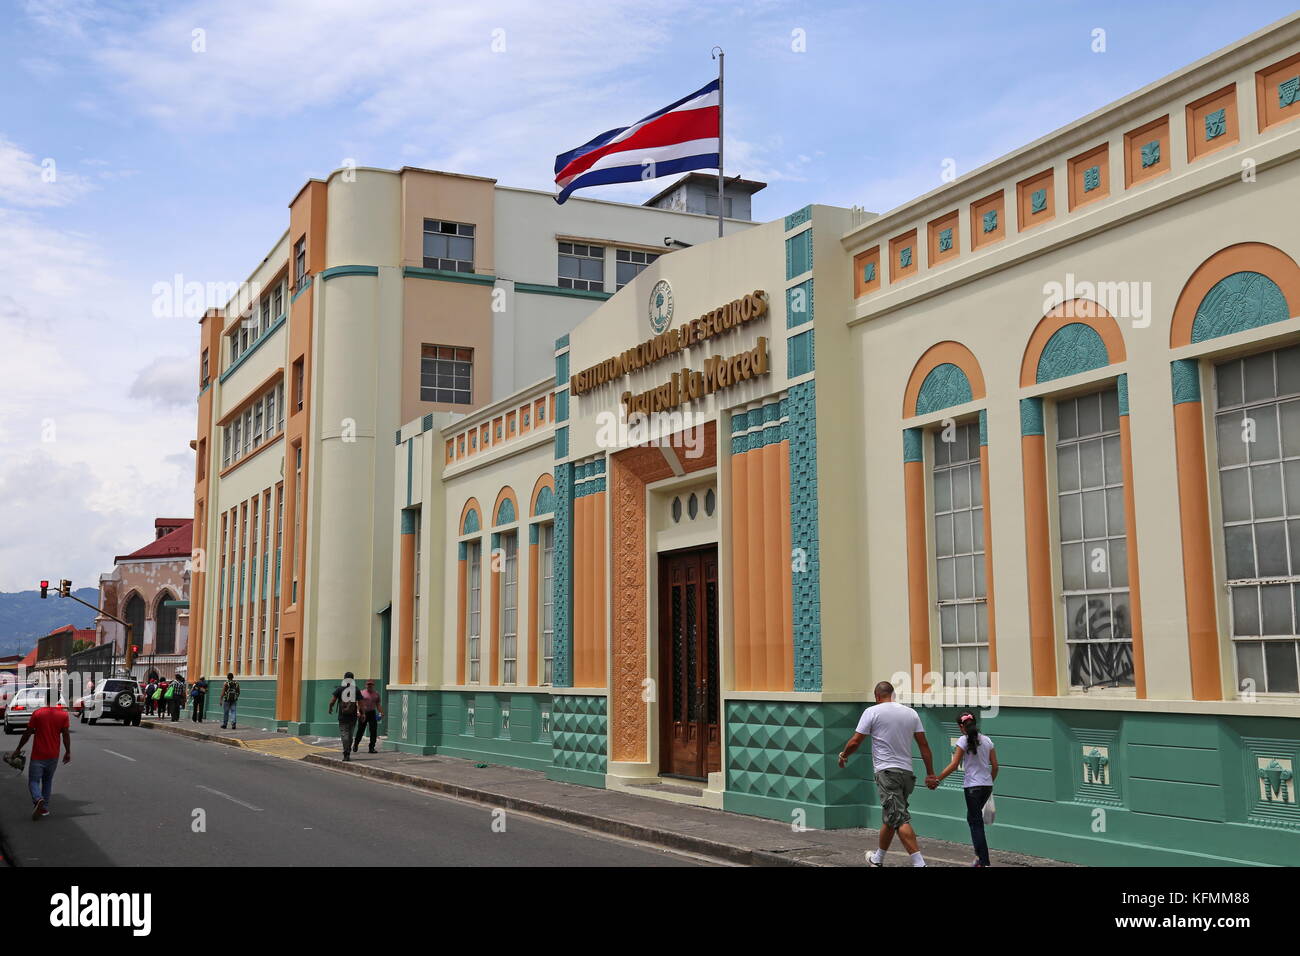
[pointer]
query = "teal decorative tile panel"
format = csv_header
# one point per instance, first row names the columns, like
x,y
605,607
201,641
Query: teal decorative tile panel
x,y
913,445
799,304
506,512
801,408
798,254
796,219
579,733
869,272
562,442
944,387
984,428
1031,416
1216,124
799,354
1186,375
562,582
1038,201
545,502
1122,384
1072,349
905,257
990,220
1091,178
945,240
1288,92
562,405
472,525
1241,301
1151,153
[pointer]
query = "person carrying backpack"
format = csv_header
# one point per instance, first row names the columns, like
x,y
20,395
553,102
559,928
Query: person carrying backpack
x,y
229,700
345,696
198,693
176,696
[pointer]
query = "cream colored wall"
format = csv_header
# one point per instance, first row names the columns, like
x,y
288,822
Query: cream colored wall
x,y
517,465
994,315
451,197
703,278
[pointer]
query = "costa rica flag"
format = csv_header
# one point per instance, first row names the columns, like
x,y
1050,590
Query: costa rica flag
x,y
682,136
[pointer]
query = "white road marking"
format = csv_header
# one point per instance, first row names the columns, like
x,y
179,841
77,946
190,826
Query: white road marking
x,y
116,754
230,798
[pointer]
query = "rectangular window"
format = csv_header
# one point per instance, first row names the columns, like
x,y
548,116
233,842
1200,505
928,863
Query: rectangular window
x,y
221,583
1257,422
711,205
266,316
582,267
245,336
225,447
628,264
509,608
299,262
473,606
279,403
203,371
257,423
248,431
546,601
277,301
254,596
279,543
237,439
234,347
446,374
448,245
959,556
299,384
1094,551
201,459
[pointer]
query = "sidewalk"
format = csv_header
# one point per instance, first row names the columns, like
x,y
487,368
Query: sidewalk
x,y
731,837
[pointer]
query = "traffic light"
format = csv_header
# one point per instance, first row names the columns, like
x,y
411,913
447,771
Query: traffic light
x,y
135,649
65,587
45,586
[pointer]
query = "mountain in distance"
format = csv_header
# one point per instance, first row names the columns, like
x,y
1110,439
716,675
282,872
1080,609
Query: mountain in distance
x,y
24,616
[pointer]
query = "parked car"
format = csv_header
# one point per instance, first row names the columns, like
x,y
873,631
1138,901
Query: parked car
x,y
116,698
9,688
24,703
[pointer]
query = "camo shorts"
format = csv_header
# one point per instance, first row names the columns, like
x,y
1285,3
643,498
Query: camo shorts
x,y
894,787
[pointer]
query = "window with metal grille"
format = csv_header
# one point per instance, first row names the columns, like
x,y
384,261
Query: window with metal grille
x,y
509,607
628,264
546,601
1257,424
1094,551
446,374
959,555
448,245
473,606
582,267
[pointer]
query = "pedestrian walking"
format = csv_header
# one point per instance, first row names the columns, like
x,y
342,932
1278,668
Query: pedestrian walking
x,y
979,762
892,727
47,724
229,702
160,698
198,694
177,698
149,702
369,716
345,697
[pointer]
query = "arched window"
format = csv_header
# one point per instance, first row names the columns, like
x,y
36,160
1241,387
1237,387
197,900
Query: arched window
x,y
164,625
133,613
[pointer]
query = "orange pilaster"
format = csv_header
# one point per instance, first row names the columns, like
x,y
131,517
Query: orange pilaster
x,y
406,618
1198,564
1038,560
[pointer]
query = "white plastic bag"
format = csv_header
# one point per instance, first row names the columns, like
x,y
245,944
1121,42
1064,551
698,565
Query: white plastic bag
x,y
989,810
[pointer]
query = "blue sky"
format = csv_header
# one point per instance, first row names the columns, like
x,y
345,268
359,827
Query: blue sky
x,y
170,160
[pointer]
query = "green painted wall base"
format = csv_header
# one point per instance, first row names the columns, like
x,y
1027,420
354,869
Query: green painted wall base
x,y
256,708
1099,787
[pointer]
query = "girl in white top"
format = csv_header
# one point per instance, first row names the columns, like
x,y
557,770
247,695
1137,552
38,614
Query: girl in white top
x,y
978,759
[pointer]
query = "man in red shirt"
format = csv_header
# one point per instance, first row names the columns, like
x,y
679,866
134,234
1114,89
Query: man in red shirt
x,y
47,724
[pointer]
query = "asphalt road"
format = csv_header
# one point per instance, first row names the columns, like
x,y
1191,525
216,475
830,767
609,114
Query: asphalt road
x,y
131,796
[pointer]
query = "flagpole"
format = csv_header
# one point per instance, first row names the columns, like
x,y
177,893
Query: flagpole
x,y
717,54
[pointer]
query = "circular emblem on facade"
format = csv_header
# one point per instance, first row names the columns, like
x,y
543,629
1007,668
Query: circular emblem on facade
x,y
661,306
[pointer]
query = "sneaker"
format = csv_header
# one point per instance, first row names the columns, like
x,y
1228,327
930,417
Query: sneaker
x,y
347,759
223,726
372,750
39,810
234,726
870,861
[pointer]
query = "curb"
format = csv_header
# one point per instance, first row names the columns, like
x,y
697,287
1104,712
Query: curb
x,y
195,734
667,839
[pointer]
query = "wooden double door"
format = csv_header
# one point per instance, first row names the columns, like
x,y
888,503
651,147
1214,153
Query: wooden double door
x,y
690,731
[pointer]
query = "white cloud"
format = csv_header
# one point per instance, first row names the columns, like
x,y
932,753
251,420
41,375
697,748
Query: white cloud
x,y
168,382
31,182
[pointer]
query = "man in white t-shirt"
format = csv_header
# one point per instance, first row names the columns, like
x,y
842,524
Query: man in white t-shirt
x,y
892,727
